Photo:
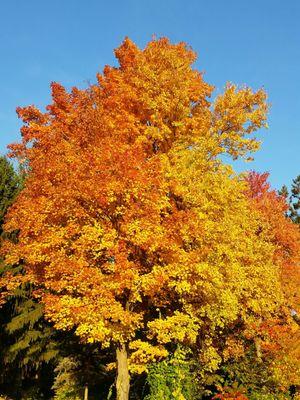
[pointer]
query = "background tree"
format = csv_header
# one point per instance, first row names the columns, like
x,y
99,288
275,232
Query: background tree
x,y
26,340
295,200
281,336
10,183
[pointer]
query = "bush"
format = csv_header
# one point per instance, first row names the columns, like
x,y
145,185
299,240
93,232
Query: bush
x,y
173,379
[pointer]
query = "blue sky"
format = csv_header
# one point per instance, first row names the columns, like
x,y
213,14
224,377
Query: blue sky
x,y
254,42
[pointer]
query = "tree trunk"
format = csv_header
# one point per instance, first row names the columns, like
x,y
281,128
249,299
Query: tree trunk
x,y
123,378
86,392
257,342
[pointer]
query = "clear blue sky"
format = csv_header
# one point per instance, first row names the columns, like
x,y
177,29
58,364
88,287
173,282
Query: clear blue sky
x,y
256,42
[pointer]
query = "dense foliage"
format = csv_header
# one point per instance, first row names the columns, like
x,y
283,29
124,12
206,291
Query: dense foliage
x,y
132,239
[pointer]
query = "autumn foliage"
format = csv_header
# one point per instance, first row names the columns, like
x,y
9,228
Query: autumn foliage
x,y
230,396
281,335
133,231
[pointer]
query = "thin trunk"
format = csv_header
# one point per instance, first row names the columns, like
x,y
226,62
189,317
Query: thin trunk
x,y
257,342
86,392
123,377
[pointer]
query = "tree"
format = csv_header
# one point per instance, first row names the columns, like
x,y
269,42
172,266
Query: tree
x,y
284,192
135,233
282,335
295,200
10,183
30,347
26,340
283,233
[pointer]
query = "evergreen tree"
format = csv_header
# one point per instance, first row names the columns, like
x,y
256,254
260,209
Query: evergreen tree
x,y
295,200
9,187
10,183
284,192
31,351
26,340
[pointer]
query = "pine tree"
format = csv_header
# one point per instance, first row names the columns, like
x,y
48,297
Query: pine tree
x,y
10,183
30,349
295,200
26,340
284,192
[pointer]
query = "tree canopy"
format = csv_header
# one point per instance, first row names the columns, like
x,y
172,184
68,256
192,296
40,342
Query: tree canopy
x,y
133,230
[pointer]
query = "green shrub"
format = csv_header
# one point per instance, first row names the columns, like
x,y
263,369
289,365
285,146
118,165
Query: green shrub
x,y
173,379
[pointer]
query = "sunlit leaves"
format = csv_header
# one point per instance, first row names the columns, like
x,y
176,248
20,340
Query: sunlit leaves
x,y
130,225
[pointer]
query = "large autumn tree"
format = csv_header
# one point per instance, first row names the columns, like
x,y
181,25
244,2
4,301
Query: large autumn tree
x,y
134,232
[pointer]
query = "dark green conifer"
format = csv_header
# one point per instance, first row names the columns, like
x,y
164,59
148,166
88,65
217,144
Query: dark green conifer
x,y
295,200
26,340
10,183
